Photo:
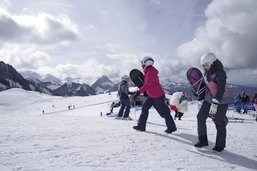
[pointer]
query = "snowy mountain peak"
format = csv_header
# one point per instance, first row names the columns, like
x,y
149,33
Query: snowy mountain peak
x,y
74,89
52,79
31,75
102,84
10,78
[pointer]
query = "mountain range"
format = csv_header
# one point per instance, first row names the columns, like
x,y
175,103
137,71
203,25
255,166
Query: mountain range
x,y
49,84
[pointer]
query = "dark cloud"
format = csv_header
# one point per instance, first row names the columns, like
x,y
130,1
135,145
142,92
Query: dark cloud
x,y
9,29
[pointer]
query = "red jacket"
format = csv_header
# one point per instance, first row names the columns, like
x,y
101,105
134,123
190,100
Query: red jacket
x,y
151,83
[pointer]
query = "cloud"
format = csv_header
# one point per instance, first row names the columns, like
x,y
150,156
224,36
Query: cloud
x,y
230,32
24,57
114,66
86,72
42,28
28,40
4,3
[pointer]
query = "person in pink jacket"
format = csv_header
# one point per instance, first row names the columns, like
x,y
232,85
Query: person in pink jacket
x,y
156,97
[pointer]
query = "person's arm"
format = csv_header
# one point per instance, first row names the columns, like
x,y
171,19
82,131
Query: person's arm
x,y
221,85
147,81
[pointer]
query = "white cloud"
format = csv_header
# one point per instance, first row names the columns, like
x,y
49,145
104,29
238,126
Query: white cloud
x,y
28,40
230,32
111,37
41,28
4,3
24,57
86,72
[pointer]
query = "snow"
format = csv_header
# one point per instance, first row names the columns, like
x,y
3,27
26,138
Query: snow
x,y
80,139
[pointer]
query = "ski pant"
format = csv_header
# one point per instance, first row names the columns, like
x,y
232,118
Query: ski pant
x,y
162,109
220,121
125,103
178,114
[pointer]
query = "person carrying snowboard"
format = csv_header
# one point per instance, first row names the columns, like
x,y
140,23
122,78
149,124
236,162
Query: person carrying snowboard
x,y
123,91
156,97
215,102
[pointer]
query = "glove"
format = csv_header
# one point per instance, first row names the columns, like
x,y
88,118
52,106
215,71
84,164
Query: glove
x,y
134,96
213,108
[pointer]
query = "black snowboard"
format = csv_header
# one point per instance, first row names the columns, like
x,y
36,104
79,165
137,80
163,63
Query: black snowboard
x,y
137,77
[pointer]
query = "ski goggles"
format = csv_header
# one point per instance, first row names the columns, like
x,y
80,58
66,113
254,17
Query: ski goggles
x,y
144,61
207,65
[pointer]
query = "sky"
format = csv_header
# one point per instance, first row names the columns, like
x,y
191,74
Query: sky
x,y
85,39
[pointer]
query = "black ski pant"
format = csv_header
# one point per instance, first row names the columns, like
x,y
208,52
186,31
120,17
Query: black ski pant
x,y
125,103
178,114
162,109
220,121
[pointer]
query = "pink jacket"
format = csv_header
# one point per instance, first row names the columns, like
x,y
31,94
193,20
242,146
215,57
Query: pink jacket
x,y
151,83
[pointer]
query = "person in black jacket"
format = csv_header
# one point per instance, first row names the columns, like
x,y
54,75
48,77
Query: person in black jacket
x,y
123,91
215,102
244,99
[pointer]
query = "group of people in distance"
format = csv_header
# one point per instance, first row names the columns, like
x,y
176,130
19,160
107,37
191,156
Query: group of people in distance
x,y
214,104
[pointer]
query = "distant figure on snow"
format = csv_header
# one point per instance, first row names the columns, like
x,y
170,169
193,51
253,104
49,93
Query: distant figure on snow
x,y
245,99
178,103
123,91
255,104
237,102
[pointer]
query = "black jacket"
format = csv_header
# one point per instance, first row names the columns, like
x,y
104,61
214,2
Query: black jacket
x,y
217,75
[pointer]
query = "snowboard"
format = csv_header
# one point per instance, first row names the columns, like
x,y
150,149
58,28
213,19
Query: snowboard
x,y
137,77
196,80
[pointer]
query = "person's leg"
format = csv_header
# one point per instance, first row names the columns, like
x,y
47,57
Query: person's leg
x,y
176,114
201,125
221,123
180,115
127,110
122,107
164,111
141,124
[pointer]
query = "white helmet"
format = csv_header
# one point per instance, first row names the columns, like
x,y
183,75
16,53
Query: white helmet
x,y
208,59
147,61
125,77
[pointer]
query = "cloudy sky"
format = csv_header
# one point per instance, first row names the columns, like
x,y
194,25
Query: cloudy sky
x,y
85,39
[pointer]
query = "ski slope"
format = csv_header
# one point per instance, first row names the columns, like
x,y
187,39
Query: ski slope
x,y
81,139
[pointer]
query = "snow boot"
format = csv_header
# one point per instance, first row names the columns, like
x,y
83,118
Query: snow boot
x,y
218,149
127,118
139,128
169,131
202,141
118,117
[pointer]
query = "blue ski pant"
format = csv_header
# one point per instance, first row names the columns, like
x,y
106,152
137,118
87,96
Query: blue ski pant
x,y
125,103
220,121
162,109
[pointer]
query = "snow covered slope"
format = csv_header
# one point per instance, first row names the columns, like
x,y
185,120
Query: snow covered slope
x,y
80,139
